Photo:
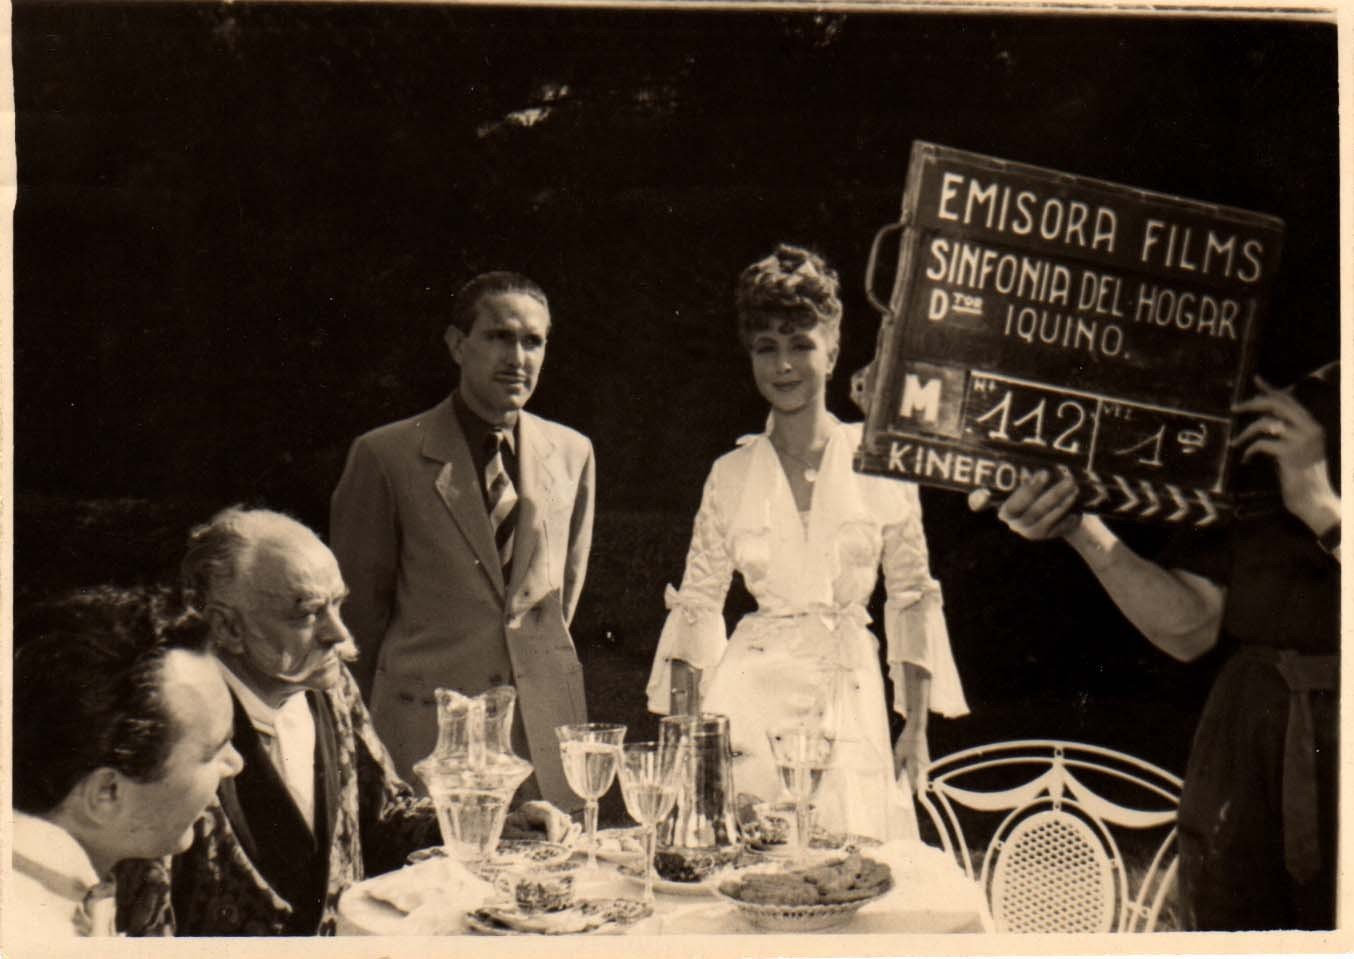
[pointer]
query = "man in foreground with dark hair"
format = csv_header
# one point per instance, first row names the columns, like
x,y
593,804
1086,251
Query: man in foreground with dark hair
x,y
464,534
122,733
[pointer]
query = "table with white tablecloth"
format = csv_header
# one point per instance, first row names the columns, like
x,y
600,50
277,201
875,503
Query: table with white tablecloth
x,y
930,895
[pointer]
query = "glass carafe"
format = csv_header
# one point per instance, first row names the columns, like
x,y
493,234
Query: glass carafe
x,y
472,772
704,818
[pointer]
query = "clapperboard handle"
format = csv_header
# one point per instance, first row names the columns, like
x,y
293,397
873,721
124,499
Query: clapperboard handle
x,y
872,263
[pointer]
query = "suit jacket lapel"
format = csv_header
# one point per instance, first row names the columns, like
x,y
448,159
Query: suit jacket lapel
x,y
459,487
535,479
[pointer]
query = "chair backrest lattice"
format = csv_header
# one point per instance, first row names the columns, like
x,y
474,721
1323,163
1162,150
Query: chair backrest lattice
x,y
1052,873
1051,862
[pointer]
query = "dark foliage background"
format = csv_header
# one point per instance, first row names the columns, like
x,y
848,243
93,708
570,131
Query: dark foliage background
x,y
238,230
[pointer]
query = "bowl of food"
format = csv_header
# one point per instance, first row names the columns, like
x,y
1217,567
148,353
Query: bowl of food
x,y
694,865
688,872
780,898
544,891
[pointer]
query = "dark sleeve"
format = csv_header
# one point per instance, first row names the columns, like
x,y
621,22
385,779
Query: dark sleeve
x,y
1206,553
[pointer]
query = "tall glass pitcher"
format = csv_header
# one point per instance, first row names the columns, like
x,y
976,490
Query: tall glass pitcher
x,y
705,817
472,772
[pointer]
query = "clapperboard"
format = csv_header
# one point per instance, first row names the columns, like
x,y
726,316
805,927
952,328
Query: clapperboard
x,y
1040,319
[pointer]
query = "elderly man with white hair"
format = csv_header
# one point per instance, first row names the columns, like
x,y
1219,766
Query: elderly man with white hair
x,y
318,805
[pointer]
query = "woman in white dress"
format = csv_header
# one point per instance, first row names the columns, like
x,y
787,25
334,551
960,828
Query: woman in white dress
x,y
809,536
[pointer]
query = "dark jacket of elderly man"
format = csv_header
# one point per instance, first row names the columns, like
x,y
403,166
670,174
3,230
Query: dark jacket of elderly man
x,y
292,831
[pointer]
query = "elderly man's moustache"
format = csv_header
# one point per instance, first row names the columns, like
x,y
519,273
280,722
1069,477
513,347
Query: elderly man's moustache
x,y
347,652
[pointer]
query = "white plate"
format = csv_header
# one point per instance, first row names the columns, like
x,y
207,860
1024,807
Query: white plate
x,y
823,844
511,854
562,923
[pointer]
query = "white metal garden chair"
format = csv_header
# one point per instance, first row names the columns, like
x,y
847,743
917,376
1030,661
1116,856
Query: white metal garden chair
x,y
1051,818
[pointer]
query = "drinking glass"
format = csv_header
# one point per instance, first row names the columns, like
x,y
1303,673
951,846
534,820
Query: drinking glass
x,y
706,814
470,816
590,753
649,773
802,754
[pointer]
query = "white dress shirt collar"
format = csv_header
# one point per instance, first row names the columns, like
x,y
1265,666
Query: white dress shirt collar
x,y
56,891
288,735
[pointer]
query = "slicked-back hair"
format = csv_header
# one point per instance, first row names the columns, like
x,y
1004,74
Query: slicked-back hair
x,y
467,303
219,552
793,286
89,689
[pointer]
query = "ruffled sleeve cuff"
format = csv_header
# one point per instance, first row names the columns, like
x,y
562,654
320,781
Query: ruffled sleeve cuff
x,y
916,633
694,633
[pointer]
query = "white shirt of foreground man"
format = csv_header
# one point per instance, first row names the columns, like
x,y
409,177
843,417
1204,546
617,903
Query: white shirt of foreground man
x,y
55,884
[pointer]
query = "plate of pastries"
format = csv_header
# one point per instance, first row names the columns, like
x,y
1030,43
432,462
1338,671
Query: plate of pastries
x,y
786,898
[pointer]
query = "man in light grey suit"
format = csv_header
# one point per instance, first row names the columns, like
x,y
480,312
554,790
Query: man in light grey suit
x,y
463,534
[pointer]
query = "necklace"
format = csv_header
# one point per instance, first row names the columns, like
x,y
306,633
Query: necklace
x,y
810,469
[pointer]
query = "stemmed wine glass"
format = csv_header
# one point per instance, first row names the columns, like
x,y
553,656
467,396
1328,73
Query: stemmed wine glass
x,y
649,773
802,754
590,753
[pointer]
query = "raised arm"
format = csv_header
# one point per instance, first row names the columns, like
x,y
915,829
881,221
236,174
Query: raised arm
x,y
1179,612
1286,431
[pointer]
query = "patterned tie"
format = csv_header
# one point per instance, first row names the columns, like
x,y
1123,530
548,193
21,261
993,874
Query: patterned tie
x,y
95,914
501,499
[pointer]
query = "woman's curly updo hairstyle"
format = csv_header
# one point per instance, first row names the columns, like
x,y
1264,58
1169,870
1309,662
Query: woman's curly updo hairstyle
x,y
793,286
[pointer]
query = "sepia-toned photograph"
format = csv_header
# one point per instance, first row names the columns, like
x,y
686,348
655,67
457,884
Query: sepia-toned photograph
x,y
752,479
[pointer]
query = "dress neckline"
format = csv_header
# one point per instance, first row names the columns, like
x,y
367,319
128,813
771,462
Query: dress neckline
x,y
834,427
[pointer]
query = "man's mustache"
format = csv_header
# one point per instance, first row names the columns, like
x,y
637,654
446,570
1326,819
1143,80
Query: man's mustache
x,y
347,651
